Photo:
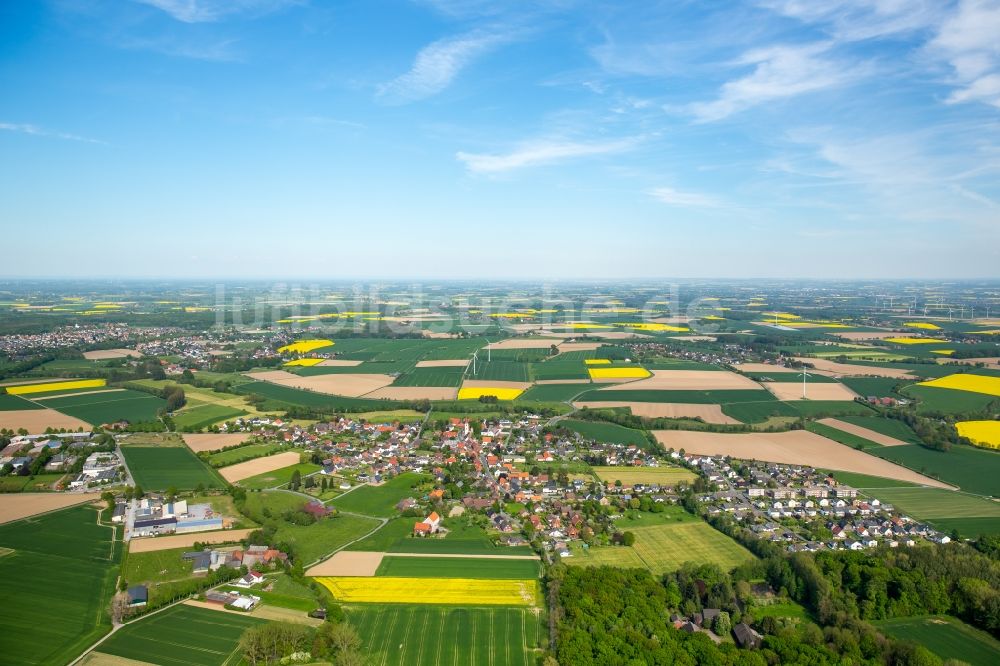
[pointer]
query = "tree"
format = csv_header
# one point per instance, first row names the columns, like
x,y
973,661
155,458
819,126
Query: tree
x,y
723,624
137,492
628,538
296,480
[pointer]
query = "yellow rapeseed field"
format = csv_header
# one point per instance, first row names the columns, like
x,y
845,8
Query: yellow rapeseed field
x,y
56,386
597,361
915,341
304,346
580,324
945,352
630,372
653,326
925,325
457,591
305,362
782,315
967,382
478,392
982,433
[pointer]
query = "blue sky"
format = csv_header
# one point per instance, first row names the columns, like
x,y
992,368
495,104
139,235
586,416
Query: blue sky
x,y
468,138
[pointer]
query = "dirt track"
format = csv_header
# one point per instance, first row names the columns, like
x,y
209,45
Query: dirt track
x,y
245,470
795,447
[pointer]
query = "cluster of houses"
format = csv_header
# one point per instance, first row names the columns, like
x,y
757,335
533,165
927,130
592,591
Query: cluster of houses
x,y
100,468
62,452
251,557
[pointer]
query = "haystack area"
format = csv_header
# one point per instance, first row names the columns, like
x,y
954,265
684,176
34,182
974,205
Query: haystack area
x,y
14,506
861,431
35,421
245,470
852,370
211,441
814,391
148,545
795,447
414,393
349,385
348,563
104,354
688,380
668,410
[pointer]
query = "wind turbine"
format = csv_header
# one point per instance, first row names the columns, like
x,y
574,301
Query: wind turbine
x,y
475,356
804,375
489,351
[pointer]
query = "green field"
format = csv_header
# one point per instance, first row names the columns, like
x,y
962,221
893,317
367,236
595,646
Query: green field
x,y
451,567
278,477
881,387
204,414
846,438
28,484
182,635
64,567
98,408
948,401
664,475
431,377
664,548
233,456
817,408
417,635
156,566
890,427
758,412
554,392
857,480
946,637
463,539
380,500
163,466
281,396
10,402
606,432
285,593
507,371
971,469
929,503
561,367
788,609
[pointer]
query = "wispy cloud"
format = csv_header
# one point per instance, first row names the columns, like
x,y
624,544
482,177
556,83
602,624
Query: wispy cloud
x,y
541,152
673,197
220,51
35,130
437,65
853,20
970,41
209,11
779,72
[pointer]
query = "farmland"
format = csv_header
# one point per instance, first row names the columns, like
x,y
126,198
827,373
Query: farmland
x,y
664,476
168,463
946,637
971,469
182,635
450,591
379,500
412,635
453,567
98,408
278,477
944,507
607,432
664,548
202,415
69,547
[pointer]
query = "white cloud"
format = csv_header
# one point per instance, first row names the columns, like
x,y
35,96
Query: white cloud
x,y
541,152
970,41
672,197
437,65
853,20
207,11
779,72
35,130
